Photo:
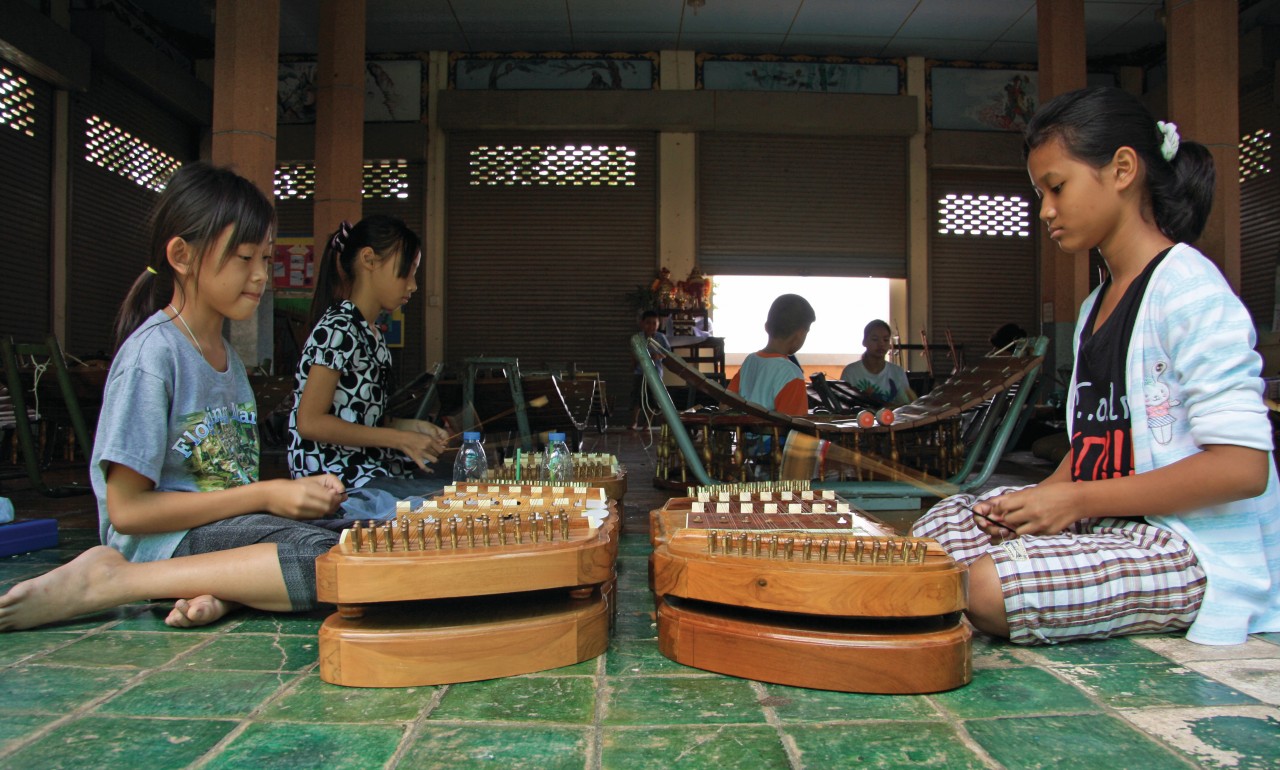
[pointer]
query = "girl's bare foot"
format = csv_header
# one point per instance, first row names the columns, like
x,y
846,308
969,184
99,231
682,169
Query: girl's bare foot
x,y
80,586
200,611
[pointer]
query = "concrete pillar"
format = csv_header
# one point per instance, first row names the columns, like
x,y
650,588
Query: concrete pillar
x,y
433,240
1204,102
677,175
912,301
339,116
60,238
246,57
1064,278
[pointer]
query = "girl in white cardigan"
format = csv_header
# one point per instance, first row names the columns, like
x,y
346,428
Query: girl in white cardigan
x,y
1165,514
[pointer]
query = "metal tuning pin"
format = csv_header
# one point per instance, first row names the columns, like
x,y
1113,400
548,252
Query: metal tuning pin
x,y
484,528
453,532
422,534
535,529
564,526
404,534
788,546
712,536
742,544
519,535
822,554
806,549
502,529
755,545
387,537
357,536
842,549
773,546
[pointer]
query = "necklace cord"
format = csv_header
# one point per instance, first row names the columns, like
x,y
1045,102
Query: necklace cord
x,y
185,325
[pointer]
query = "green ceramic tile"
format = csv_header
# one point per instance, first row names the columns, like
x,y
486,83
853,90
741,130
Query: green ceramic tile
x,y
1239,742
527,747
15,727
100,742
254,652
314,700
753,748
641,657
1119,650
1144,685
636,625
333,747
12,572
208,694
300,623
56,690
1086,741
126,649
796,704
682,701
521,699
25,644
1006,691
989,652
882,745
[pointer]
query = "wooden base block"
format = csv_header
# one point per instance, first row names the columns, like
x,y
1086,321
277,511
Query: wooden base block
x,y
408,644
868,655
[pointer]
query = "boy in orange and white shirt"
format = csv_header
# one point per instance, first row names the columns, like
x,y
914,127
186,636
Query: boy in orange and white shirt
x,y
770,377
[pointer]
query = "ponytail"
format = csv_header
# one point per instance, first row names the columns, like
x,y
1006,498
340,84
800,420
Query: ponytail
x,y
387,236
1093,123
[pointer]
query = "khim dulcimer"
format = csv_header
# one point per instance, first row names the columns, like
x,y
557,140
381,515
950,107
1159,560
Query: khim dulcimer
x,y
479,582
781,583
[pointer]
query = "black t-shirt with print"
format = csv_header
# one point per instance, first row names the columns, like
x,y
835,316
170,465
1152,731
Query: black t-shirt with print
x,y
1102,445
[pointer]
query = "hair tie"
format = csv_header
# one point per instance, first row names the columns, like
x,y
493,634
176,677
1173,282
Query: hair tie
x,y
152,270
339,240
1169,141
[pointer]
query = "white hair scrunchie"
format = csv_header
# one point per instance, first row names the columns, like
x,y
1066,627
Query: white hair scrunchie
x,y
1168,145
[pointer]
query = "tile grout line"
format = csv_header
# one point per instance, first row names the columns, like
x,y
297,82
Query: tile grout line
x,y
415,727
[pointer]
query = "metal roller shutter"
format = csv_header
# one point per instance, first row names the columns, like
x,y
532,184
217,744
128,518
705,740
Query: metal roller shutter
x,y
109,213
539,272
26,200
802,205
978,282
1259,203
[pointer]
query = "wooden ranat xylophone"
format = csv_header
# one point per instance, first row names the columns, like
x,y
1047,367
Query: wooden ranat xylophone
x,y
779,583
479,582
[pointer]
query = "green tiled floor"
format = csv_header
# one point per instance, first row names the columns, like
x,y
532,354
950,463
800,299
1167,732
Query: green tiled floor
x,y
122,690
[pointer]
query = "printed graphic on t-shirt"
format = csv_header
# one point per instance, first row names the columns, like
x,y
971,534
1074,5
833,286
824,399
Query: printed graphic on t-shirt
x,y
887,394
220,445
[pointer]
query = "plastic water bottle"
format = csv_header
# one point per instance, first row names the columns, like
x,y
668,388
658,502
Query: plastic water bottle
x,y
559,462
470,464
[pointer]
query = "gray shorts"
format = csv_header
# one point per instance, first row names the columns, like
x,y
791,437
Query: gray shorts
x,y
297,546
1100,578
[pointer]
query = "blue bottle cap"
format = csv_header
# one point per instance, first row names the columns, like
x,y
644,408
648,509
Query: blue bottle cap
x,y
471,435
555,437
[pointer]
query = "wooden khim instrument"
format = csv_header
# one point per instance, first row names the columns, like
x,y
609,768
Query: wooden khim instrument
x,y
781,583
479,582
592,469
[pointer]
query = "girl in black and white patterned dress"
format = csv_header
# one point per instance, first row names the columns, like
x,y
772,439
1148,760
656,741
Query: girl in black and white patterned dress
x,y
338,423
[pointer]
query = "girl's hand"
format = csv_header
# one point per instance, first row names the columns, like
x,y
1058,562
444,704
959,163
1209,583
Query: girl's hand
x,y
420,447
1046,509
312,497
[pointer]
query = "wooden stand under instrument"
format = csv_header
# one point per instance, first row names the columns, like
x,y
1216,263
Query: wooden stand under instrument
x,y
788,586
482,582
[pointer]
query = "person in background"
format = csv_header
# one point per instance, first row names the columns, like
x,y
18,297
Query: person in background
x,y
1006,335
649,321
771,377
875,376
